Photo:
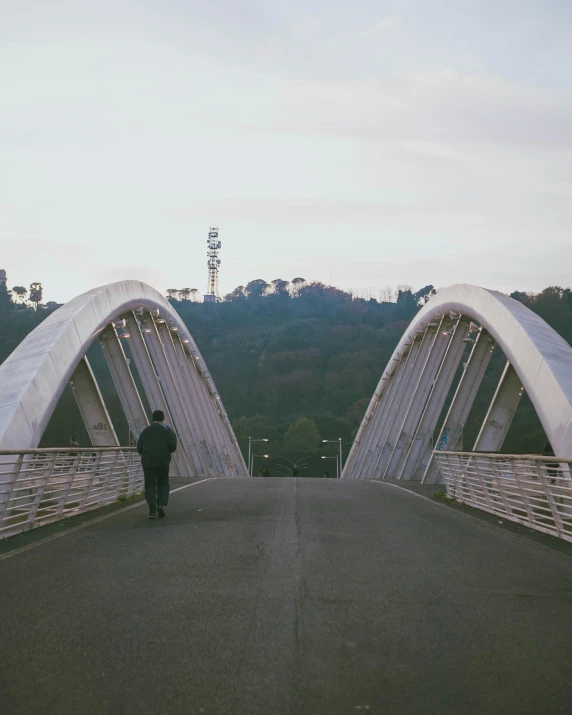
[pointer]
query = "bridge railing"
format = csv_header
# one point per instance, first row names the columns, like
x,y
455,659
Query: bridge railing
x,y
528,489
38,486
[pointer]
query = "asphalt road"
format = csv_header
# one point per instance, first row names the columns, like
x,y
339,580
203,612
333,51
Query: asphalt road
x,y
302,597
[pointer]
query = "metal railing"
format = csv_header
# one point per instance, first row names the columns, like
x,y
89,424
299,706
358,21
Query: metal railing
x,y
38,486
528,489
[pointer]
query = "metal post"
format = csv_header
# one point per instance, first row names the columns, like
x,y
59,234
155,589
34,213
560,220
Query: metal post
x,y
123,380
450,437
439,392
500,413
92,407
152,387
341,464
249,454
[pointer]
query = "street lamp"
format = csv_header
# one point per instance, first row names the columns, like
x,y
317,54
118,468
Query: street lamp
x,y
257,455
250,441
337,462
340,464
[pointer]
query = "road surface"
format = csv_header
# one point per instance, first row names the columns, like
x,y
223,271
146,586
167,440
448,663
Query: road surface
x,y
287,596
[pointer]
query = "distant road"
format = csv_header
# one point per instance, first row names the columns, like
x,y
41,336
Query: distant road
x,y
302,597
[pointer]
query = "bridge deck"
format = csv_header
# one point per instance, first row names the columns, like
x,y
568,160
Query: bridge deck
x,y
287,596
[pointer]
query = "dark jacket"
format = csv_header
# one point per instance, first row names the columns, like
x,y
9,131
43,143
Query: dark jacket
x,y
155,445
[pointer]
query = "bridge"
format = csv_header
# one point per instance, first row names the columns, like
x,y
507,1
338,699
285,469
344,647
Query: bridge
x,y
286,595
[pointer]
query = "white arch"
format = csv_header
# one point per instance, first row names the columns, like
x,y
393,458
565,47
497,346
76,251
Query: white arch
x,y
34,376
541,358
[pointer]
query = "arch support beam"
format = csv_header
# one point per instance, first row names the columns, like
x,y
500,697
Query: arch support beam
x,y
395,394
501,412
368,454
413,467
152,387
172,396
419,396
92,407
395,383
451,435
415,365
123,380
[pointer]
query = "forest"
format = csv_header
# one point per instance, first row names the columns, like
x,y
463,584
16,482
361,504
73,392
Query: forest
x,y
295,363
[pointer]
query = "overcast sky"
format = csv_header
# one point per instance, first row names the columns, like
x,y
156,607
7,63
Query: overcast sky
x,y
407,142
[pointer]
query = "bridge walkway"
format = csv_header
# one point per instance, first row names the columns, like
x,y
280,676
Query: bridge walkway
x,y
302,597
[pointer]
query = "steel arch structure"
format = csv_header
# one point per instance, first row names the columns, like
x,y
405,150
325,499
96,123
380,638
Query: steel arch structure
x,y
168,362
394,438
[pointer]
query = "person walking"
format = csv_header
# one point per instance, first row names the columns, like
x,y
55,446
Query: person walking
x,y
155,445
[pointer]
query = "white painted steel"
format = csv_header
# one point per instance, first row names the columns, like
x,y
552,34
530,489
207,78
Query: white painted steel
x,y
542,359
451,435
413,467
218,438
391,452
369,453
38,486
527,489
197,403
500,413
394,388
164,369
123,380
151,385
389,424
420,398
92,407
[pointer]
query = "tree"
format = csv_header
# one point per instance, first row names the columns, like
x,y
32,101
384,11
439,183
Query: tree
x,y
297,283
280,286
194,292
303,435
184,293
237,294
5,299
21,292
36,292
172,293
256,288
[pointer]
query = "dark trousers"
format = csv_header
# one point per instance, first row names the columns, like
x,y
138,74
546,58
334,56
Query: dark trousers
x,y
156,486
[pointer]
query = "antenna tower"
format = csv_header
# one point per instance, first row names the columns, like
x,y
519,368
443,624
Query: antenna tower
x,y
213,263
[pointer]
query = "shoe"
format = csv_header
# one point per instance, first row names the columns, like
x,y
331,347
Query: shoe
x,y
161,512
152,515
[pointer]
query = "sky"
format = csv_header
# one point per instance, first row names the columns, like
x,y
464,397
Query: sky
x,y
364,143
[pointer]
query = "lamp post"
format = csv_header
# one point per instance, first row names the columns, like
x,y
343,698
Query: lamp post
x,y
337,441
252,461
250,441
337,462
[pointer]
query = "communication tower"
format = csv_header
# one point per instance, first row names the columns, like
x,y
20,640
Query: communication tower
x,y
213,263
